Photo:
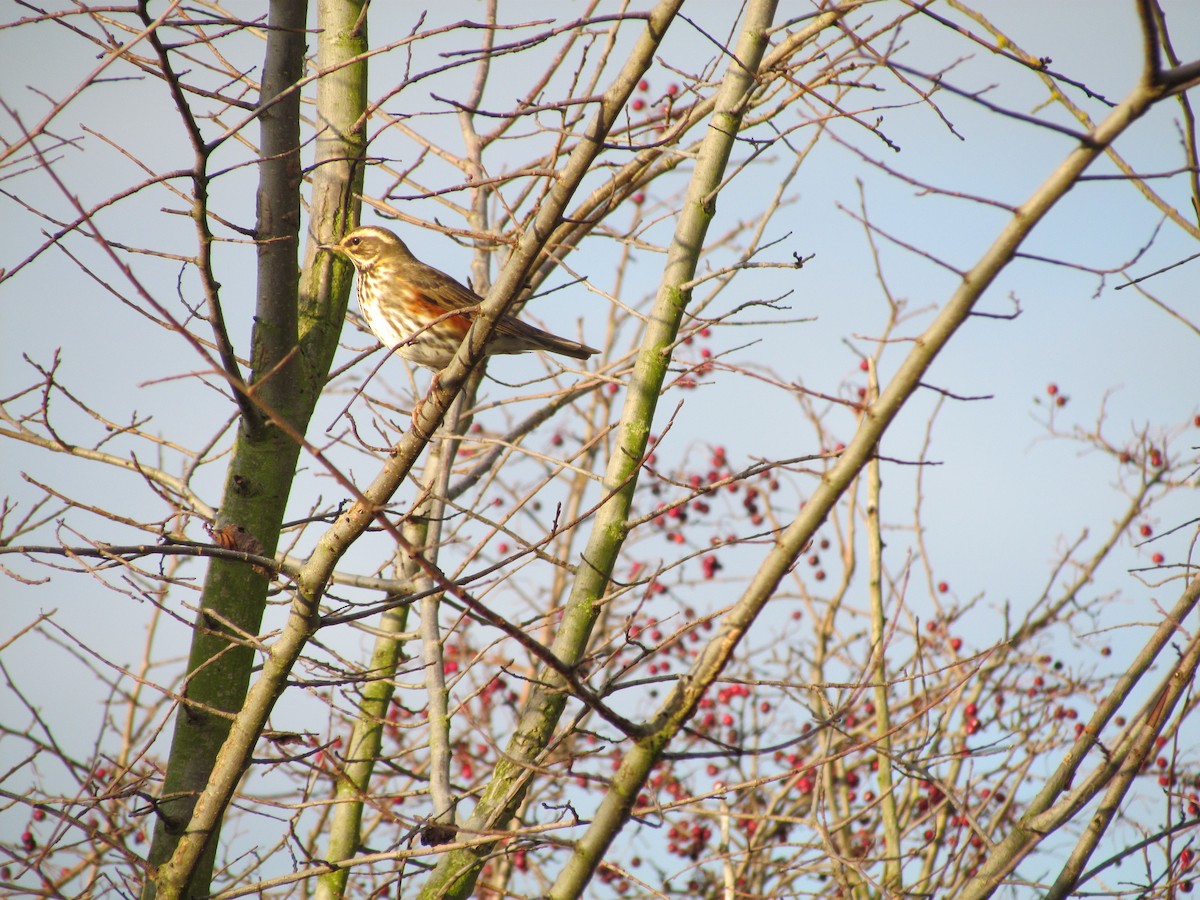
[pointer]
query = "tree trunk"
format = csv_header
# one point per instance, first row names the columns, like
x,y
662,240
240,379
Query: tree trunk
x,y
298,319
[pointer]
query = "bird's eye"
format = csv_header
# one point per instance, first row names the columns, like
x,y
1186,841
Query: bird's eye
x,y
354,242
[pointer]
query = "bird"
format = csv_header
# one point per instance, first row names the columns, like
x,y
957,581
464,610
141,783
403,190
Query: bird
x,y
423,314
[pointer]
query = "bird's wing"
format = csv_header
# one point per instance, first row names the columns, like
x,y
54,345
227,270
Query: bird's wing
x,y
449,295
441,290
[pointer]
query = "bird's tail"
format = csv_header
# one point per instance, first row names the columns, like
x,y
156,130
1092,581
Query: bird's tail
x,y
529,337
565,347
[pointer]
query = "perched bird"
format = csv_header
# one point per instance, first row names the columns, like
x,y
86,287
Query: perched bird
x,y
422,313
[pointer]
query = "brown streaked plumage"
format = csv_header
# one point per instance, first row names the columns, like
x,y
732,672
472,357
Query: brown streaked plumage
x,y
411,307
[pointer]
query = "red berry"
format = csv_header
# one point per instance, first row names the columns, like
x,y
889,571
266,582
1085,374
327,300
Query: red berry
x,y
1157,559
1052,389
643,85
956,644
864,364
672,89
638,104
1145,530
942,587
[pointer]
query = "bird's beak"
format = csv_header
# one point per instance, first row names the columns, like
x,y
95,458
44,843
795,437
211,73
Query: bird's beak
x,y
334,248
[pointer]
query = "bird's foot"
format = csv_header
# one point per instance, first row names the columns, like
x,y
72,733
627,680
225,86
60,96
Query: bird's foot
x,y
416,419
416,413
